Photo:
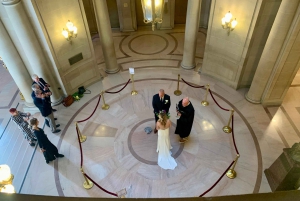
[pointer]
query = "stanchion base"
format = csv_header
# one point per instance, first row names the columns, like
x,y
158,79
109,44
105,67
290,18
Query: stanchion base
x,y
82,138
134,92
105,107
227,129
88,185
122,193
204,103
231,174
177,92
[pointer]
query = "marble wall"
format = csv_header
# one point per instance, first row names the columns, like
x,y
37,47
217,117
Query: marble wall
x,y
225,54
127,15
53,16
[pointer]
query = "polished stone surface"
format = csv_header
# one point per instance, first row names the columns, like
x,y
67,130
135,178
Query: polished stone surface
x,y
260,133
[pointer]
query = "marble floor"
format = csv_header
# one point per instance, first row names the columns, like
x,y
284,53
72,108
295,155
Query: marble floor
x,y
118,153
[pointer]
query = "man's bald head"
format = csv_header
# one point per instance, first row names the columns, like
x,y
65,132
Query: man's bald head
x,y
161,93
185,101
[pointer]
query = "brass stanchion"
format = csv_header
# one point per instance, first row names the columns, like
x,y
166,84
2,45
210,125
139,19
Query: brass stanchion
x,y
133,92
87,184
231,173
82,138
21,96
205,102
228,129
122,193
104,106
178,92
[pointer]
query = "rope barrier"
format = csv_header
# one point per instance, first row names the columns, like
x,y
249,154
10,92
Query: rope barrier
x,y
217,180
81,155
192,85
110,92
233,136
106,191
93,111
216,101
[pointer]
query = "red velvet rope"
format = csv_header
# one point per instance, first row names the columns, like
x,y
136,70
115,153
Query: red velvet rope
x,y
233,136
216,101
217,180
192,85
119,90
93,111
81,155
100,186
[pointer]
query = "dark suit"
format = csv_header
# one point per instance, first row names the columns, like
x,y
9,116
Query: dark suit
x,y
159,105
42,84
46,110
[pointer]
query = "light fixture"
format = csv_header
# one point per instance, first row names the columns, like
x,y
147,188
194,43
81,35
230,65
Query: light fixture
x,y
70,32
228,23
153,11
6,179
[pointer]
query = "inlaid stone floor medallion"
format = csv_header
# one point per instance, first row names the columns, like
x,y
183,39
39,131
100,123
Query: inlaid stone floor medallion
x,y
143,146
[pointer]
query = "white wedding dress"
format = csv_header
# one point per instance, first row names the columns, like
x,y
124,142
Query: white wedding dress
x,y
165,160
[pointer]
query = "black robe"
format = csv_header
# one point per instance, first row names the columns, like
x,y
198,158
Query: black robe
x,y
51,152
185,122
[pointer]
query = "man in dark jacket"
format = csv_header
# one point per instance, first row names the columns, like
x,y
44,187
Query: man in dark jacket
x,y
43,86
45,108
160,102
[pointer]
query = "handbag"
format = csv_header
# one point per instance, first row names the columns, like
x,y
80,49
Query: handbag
x,y
68,101
82,90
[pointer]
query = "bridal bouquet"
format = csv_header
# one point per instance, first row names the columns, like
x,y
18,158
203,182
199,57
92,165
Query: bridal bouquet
x,y
163,111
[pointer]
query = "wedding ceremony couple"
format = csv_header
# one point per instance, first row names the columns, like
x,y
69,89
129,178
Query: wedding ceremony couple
x,y
161,103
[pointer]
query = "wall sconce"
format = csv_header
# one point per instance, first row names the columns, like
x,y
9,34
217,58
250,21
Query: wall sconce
x,y
152,10
6,179
228,23
70,32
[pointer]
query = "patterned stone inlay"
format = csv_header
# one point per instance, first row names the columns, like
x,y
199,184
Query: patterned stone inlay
x,y
143,146
148,44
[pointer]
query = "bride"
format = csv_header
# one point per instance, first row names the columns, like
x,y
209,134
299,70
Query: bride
x,y
165,160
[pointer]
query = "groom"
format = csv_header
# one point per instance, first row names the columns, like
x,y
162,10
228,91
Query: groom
x,y
160,101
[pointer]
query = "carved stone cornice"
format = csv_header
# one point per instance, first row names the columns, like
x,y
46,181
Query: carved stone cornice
x,y
10,2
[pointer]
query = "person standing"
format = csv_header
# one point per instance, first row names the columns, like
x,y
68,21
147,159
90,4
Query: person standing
x,y
43,85
21,118
45,108
165,159
50,151
160,102
185,112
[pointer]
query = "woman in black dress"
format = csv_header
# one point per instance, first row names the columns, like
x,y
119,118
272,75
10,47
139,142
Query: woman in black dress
x,y
49,150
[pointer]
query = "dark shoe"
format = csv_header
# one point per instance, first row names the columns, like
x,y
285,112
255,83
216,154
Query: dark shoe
x,y
60,156
58,125
56,131
47,162
155,131
54,110
34,139
32,144
55,119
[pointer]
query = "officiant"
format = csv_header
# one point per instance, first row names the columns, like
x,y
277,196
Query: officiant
x,y
160,101
185,114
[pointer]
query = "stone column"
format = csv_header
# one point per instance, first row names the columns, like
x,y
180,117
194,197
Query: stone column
x,y
31,46
15,65
190,37
272,50
105,34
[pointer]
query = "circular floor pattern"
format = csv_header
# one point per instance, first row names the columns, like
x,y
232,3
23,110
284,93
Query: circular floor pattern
x,y
138,140
140,44
109,161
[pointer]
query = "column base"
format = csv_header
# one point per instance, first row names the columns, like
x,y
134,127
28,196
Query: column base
x,y
109,71
57,102
250,100
188,67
